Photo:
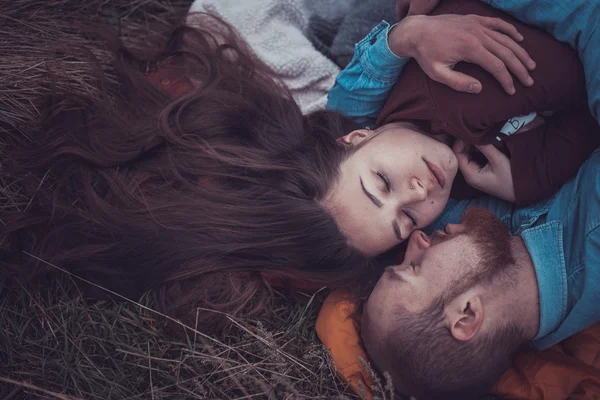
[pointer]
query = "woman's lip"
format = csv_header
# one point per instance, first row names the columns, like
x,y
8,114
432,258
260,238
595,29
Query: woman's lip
x,y
437,173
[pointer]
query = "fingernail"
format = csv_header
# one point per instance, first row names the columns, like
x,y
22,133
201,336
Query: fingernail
x,y
531,64
511,90
529,81
474,87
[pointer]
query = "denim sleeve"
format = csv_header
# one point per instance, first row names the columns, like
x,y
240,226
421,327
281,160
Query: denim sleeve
x,y
361,89
576,22
575,209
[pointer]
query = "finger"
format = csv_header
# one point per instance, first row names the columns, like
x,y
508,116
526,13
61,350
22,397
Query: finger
x,y
494,156
463,161
502,26
456,80
508,57
464,158
515,47
519,52
459,146
495,66
477,176
471,171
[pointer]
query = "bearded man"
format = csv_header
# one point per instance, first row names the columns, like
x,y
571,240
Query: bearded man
x,y
447,321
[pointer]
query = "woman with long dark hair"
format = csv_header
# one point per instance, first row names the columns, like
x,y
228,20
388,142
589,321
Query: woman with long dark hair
x,y
191,192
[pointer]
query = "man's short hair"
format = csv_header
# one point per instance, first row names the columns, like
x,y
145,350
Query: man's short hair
x,y
419,351
427,362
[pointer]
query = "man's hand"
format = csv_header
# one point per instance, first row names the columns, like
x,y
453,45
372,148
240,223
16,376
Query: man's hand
x,y
495,178
439,42
406,8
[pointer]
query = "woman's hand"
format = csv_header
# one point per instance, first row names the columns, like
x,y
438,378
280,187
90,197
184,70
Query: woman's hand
x,y
405,8
439,42
495,178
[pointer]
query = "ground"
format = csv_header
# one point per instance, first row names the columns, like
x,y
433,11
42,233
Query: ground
x,y
53,344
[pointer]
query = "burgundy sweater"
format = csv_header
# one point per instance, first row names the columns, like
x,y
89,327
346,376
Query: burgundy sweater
x,y
543,158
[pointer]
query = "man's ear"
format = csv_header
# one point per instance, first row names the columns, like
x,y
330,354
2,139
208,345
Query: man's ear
x,y
465,315
356,137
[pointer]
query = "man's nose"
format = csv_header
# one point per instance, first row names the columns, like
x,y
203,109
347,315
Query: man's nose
x,y
420,239
417,190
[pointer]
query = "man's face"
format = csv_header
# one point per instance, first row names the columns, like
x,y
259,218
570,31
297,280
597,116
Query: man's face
x,y
434,264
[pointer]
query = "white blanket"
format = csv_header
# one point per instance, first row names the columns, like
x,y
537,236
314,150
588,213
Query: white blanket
x,y
275,30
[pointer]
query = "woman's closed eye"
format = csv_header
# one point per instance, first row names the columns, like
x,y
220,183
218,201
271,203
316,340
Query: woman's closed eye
x,y
412,218
386,183
385,180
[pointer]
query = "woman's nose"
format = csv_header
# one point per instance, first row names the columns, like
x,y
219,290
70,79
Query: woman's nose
x,y
418,191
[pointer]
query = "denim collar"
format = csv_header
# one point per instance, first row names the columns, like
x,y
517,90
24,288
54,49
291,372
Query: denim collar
x,y
545,245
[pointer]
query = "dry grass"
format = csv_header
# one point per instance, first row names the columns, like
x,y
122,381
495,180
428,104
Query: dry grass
x,y
53,344
38,40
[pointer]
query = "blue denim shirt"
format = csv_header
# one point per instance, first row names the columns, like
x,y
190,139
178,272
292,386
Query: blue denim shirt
x,y
362,88
562,235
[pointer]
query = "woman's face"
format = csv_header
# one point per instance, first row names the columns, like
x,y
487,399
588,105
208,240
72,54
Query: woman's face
x,y
397,181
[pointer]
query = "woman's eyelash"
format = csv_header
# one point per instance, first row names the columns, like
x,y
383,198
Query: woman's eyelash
x,y
412,218
385,180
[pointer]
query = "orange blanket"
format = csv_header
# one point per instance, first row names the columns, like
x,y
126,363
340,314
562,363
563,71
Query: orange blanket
x,y
570,369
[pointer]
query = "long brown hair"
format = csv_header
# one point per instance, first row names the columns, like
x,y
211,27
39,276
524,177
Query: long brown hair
x,y
191,196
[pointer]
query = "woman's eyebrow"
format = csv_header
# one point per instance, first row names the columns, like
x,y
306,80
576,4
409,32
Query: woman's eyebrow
x,y
374,199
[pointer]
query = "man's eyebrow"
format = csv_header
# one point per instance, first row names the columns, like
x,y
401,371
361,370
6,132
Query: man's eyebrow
x,y
396,228
374,199
394,275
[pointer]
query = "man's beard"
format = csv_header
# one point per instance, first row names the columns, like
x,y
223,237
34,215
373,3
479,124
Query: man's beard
x,y
491,237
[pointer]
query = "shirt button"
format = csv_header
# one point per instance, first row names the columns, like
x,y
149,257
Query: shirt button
x,y
373,40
